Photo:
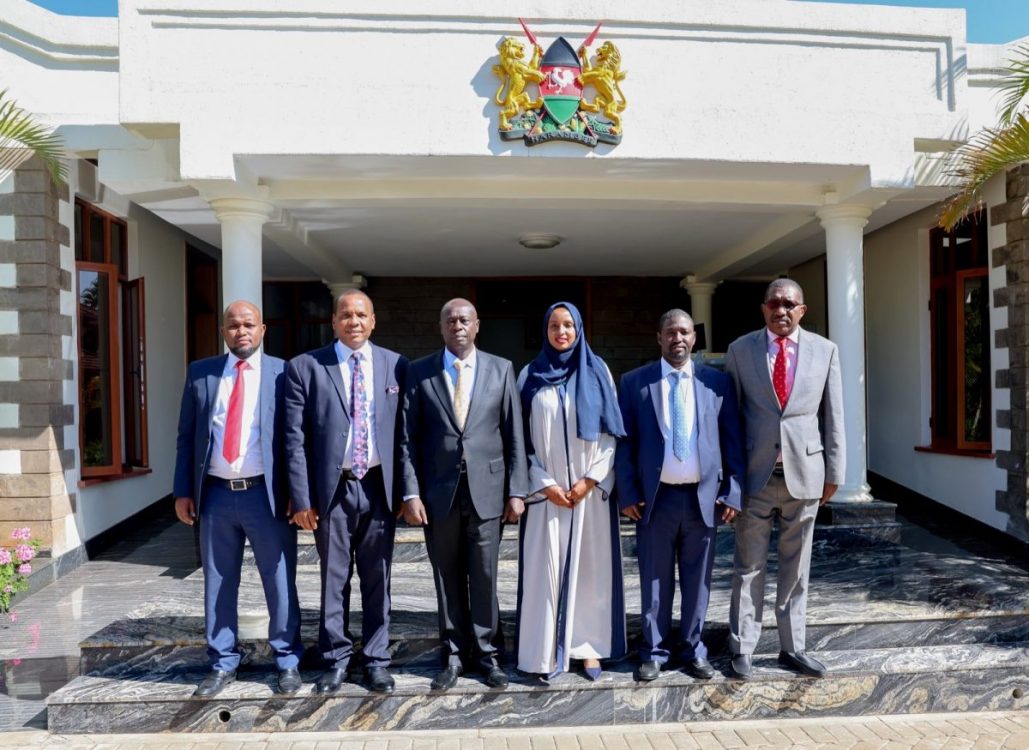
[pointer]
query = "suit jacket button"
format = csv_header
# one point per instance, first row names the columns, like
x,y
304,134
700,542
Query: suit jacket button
x,y
339,467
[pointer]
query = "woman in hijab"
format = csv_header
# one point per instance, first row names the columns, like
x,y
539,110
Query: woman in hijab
x,y
570,599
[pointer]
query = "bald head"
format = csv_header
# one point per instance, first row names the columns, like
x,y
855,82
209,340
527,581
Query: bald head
x,y
349,293
459,324
238,307
783,286
242,328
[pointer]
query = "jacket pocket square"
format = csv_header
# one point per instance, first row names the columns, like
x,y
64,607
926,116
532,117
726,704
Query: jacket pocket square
x,y
392,389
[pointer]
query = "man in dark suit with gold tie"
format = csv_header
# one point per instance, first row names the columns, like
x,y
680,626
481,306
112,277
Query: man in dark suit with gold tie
x,y
464,469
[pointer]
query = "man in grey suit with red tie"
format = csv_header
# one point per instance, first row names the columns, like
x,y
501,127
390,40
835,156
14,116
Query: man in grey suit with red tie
x,y
342,405
230,472
463,460
788,380
678,471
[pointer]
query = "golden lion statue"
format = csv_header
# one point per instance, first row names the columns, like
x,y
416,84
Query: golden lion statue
x,y
604,77
515,75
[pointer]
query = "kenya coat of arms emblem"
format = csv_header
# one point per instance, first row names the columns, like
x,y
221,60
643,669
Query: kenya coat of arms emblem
x,y
563,76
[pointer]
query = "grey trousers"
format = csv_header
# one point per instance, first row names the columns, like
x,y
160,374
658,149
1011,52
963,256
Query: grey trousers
x,y
753,528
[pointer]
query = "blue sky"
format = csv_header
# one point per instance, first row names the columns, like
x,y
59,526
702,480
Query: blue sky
x,y
989,21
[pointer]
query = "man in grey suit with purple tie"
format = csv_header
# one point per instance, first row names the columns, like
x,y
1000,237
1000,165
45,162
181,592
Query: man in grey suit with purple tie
x,y
678,471
791,395
342,404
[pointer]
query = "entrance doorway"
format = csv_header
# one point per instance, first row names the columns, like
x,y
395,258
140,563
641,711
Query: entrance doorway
x,y
511,311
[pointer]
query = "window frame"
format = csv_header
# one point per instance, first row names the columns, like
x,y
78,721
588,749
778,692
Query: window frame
x,y
947,434
125,399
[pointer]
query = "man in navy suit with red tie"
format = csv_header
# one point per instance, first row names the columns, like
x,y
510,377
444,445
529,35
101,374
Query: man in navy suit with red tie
x,y
230,474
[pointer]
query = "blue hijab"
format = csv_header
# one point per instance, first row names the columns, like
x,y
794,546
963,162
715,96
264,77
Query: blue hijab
x,y
596,404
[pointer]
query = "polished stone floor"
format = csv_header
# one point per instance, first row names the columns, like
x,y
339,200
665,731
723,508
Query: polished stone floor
x,y
937,584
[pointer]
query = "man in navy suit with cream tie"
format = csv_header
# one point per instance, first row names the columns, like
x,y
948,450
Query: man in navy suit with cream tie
x,y
230,474
677,471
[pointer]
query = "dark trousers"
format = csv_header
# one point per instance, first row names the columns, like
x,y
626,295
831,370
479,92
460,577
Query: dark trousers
x,y
464,550
227,520
358,529
676,533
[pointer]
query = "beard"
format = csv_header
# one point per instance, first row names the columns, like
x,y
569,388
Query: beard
x,y
243,352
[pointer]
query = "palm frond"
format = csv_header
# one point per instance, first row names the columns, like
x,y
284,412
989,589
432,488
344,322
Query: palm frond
x,y
1015,84
21,137
993,151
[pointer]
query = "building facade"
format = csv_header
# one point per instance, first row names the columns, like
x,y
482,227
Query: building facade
x,y
236,149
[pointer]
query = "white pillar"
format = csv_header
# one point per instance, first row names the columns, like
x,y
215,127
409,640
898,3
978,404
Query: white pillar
x,y
357,281
701,293
845,295
242,220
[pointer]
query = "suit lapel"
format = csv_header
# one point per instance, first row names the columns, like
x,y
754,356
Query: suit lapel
x,y
213,380
331,363
759,351
655,393
701,396
805,353
439,384
267,402
484,375
379,384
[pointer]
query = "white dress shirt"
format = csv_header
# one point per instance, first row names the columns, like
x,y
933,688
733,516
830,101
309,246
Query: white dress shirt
x,y
250,462
674,471
467,374
343,353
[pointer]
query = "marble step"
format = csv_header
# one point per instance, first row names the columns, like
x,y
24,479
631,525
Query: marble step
x,y
979,677
409,544
865,595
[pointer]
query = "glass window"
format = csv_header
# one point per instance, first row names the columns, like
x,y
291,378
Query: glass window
x,y
97,371
960,337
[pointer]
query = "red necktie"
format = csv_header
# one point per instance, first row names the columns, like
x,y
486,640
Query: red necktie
x,y
782,389
234,419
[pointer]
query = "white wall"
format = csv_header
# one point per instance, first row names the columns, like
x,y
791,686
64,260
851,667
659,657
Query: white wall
x,y
739,80
157,253
62,68
899,374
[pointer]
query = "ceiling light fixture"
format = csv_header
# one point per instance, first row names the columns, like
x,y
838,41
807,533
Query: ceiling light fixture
x,y
539,241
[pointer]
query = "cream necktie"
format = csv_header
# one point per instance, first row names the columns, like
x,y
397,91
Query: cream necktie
x,y
460,397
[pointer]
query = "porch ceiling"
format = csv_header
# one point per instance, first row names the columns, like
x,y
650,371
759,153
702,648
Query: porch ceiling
x,y
463,216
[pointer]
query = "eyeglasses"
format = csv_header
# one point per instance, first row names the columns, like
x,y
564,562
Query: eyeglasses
x,y
786,304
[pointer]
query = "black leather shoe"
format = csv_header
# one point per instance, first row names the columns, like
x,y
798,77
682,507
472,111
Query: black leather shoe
x,y
495,677
447,678
648,671
331,680
289,681
213,683
800,662
699,668
378,679
742,666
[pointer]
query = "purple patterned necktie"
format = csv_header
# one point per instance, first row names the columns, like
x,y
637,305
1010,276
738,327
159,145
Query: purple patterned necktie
x,y
359,411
